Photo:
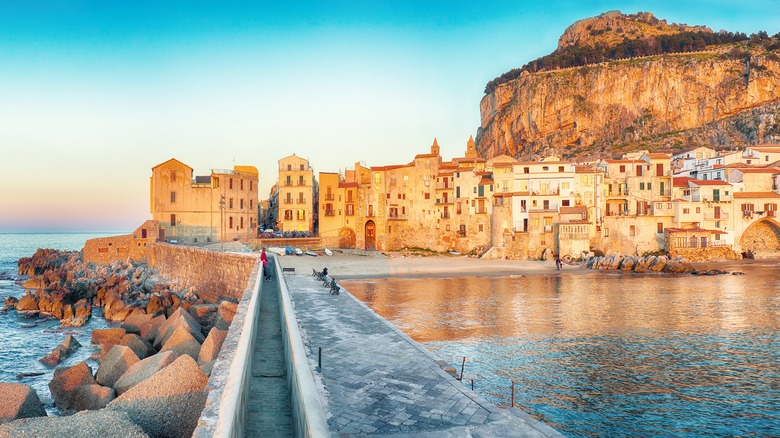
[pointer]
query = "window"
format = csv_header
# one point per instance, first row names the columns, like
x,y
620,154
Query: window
x,y
301,215
173,220
251,204
560,168
288,180
242,186
632,230
241,204
565,203
301,166
288,215
698,209
659,169
658,205
350,209
241,223
230,183
230,203
427,196
526,170
289,167
660,227
143,233
545,168
622,168
300,180
649,186
565,185
230,221
173,197
641,186
377,178
686,210
251,184
481,228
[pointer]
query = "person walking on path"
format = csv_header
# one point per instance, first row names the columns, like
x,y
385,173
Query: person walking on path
x,y
264,259
558,263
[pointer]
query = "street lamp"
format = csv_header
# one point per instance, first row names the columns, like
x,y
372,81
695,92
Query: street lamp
x,y
222,219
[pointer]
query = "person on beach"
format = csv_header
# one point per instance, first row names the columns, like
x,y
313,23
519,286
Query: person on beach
x,y
558,264
324,272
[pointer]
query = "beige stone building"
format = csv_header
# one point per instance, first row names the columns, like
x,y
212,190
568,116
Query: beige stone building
x,y
221,206
296,195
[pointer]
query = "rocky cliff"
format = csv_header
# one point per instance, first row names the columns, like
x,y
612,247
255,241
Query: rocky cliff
x,y
723,96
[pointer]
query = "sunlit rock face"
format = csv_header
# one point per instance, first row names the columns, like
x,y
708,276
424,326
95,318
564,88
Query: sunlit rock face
x,y
723,96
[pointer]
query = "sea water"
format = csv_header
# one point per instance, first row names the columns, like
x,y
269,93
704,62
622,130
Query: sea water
x,y
604,353
24,340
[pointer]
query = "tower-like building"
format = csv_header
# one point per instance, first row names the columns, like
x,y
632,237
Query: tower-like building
x,y
296,195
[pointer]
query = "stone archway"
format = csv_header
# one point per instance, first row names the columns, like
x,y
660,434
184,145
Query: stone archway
x,y
762,236
370,236
347,238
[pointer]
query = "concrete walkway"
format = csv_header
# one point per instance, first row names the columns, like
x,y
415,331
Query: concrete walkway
x,y
268,409
380,382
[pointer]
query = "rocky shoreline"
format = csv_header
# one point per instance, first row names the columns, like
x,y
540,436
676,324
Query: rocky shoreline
x,y
650,263
152,368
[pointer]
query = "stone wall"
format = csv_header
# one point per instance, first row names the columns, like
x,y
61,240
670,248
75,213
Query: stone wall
x,y
706,254
213,275
131,246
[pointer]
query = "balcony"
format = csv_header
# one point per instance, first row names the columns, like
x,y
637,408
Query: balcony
x,y
330,213
444,201
329,197
445,215
288,201
397,217
481,211
300,201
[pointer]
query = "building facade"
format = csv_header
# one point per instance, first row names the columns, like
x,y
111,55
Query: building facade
x,y
296,195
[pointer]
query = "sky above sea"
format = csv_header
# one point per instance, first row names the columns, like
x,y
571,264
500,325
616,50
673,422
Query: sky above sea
x,y
94,94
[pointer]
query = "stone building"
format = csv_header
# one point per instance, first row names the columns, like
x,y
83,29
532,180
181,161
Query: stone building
x,y
296,200
221,206
131,246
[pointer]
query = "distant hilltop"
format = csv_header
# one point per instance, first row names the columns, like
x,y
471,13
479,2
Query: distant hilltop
x,y
619,82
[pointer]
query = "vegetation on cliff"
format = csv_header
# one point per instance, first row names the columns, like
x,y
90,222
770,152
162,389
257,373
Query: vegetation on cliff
x,y
624,45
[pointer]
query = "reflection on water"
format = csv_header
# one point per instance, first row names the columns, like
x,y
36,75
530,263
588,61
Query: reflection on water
x,y
607,354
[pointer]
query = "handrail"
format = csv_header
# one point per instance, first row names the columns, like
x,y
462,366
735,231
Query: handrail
x,y
308,412
232,407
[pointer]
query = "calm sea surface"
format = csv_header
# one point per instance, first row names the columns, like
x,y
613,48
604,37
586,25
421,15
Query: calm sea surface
x,y
20,348
607,353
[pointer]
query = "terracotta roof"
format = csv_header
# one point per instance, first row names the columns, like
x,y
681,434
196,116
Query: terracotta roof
x,y
611,161
584,168
485,181
391,167
168,161
658,155
709,182
347,184
682,181
756,195
761,170
425,155
577,209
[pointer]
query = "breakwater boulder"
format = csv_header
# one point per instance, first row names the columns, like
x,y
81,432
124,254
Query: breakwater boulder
x,y
61,351
648,263
87,424
66,287
19,401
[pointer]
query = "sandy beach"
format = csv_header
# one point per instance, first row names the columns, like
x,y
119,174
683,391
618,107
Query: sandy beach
x,y
364,264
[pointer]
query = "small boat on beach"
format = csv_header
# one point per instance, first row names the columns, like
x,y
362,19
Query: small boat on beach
x,y
298,252
277,250
289,250
328,252
311,253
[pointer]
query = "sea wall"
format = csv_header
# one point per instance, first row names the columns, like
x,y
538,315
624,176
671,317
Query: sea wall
x,y
213,275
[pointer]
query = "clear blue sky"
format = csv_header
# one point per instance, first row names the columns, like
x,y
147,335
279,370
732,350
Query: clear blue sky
x,y
93,94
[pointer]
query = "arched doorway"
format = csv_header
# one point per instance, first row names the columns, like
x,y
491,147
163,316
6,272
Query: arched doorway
x,y
347,238
370,236
761,236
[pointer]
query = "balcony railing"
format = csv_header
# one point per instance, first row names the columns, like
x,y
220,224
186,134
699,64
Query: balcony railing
x,y
397,217
329,197
444,201
481,211
330,213
445,215
301,201
288,201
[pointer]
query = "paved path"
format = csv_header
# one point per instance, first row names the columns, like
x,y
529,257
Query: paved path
x,y
268,410
379,382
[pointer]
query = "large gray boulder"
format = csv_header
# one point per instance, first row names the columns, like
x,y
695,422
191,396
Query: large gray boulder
x,y
169,403
143,370
64,383
225,314
182,342
61,351
114,364
149,329
87,424
19,401
140,346
133,323
179,318
211,346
